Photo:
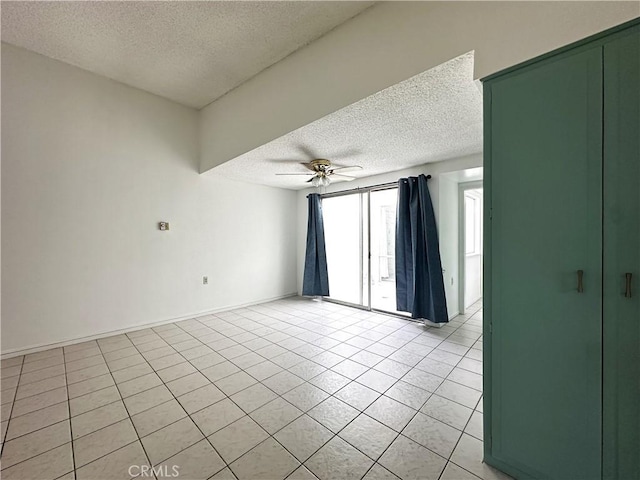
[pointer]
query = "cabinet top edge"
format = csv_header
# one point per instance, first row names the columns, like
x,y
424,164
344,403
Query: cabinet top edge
x,y
591,41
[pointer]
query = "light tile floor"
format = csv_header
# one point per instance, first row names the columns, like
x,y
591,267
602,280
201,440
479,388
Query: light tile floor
x,y
294,389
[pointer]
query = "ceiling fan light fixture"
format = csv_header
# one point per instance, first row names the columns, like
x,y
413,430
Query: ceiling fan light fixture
x,y
320,181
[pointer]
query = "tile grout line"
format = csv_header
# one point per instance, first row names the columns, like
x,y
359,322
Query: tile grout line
x,y
369,368
419,410
375,461
272,436
463,430
139,440
73,452
447,459
187,415
11,412
97,407
330,395
41,453
156,405
361,411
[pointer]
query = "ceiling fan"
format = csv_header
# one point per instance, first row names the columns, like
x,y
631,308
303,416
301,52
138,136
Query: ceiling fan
x,y
323,171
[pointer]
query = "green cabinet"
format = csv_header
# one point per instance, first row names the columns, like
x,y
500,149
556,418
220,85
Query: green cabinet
x,y
562,193
621,258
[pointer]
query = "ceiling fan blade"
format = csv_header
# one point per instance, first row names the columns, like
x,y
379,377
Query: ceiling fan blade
x,y
347,168
308,166
311,179
351,152
282,160
346,178
306,151
306,174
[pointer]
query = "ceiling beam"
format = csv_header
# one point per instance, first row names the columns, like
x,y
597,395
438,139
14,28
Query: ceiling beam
x,y
384,45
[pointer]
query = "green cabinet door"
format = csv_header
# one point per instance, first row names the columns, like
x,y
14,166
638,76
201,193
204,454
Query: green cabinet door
x,y
543,164
621,401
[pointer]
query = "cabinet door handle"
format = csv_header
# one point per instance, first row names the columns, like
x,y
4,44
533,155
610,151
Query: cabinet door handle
x,y
580,286
627,290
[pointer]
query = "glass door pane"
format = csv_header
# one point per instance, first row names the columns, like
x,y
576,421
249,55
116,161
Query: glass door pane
x,y
383,205
345,242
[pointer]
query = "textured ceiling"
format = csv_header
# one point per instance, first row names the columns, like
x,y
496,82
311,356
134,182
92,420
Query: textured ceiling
x,y
190,52
436,115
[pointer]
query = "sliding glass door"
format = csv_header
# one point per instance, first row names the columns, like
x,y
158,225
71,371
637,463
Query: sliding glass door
x,y
345,237
383,245
360,242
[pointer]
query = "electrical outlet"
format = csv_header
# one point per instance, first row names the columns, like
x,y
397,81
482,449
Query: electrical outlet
x,y
163,226
205,280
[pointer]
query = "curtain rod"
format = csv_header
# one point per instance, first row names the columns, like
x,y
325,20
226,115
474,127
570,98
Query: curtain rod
x,y
358,189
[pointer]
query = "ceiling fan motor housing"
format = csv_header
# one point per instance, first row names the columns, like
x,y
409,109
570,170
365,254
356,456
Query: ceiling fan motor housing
x,y
320,164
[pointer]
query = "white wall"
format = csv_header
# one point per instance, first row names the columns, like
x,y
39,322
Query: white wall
x,y
448,239
386,44
89,166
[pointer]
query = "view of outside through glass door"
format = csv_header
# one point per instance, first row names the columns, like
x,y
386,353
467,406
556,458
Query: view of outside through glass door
x,y
360,242
383,249
345,239
472,246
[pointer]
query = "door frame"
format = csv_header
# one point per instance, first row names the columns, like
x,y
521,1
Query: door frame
x,y
462,187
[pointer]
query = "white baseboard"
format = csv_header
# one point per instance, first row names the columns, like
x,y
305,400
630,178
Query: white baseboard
x,y
46,346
